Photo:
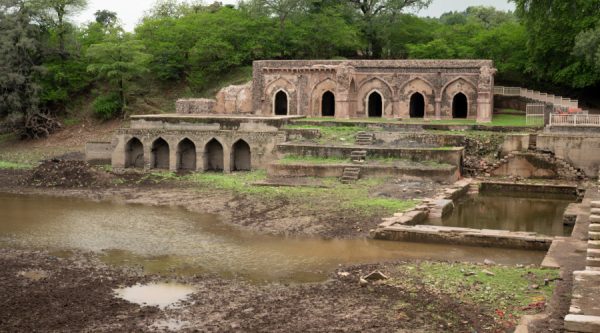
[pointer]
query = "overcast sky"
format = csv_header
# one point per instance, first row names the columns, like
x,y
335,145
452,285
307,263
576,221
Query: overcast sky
x,y
130,11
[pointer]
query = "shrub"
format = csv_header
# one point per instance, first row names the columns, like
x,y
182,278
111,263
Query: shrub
x,y
107,106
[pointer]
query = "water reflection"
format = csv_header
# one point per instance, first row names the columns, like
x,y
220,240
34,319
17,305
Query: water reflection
x,y
164,239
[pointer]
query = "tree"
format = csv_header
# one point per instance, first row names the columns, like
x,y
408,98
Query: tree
x,y
106,18
374,14
56,13
20,60
119,60
587,46
551,27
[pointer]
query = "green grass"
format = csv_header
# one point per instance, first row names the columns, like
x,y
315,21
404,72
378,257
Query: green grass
x,y
507,294
514,119
334,134
12,165
353,197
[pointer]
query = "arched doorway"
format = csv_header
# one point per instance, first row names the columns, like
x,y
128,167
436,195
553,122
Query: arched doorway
x,y
375,105
460,106
134,154
213,156
186,155
417,106
281,103
328,104
160,154
241,159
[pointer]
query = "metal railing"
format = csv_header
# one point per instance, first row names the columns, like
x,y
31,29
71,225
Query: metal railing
x,y
590,120
535,114
536,96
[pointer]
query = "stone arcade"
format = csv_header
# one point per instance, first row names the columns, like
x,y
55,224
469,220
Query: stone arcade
x,y
431,89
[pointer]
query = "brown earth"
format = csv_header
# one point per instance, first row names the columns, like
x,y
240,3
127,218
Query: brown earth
x,y
75,294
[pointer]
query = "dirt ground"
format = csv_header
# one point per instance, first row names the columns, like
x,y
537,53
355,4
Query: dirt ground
x,y
76,294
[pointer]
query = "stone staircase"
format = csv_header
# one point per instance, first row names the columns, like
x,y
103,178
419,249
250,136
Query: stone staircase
x,y
358,156
350,175
564,169
473,188
364,138
532,141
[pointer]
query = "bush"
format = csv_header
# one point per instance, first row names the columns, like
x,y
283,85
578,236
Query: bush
x,y
107,106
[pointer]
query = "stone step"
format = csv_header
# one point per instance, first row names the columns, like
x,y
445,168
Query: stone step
x,y
594,227
593,244
593,253
594,235
595,204
592,262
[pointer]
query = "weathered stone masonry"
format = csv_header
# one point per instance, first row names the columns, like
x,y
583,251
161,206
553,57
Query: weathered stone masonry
x,y
434,89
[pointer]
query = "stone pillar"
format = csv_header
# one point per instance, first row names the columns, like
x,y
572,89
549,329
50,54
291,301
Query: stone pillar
x,y
438,108
484,107
148,160
342,109
173,157
119,154
199,159
226,160
593,252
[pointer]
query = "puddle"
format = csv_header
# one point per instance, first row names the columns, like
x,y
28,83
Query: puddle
x,y
502,211
156,294
174,241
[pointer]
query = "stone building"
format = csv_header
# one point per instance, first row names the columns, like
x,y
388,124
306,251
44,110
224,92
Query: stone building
x,y
433,89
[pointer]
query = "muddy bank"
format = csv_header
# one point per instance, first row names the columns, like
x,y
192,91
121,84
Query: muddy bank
x,y
76,294
276,216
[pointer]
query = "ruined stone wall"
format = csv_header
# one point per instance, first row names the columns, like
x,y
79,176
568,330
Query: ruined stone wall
x,y
195,106
228,139
234,100
396,81
580,150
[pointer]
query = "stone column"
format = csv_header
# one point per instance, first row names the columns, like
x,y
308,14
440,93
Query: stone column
x,y
438,108
484,107
148,160
172,157
226,160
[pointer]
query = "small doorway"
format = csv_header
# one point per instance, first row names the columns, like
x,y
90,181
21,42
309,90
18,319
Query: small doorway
x,y
213,156
186,155
241,156
460,106
134,154
281,103
375,105
328,104
160,154
417,106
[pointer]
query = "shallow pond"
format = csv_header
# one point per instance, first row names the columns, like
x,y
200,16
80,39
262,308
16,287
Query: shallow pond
x,y
165,239
514,212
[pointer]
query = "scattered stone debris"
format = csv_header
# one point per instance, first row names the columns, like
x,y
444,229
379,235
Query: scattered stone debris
x,y
65,173
489,262
488,273
375,276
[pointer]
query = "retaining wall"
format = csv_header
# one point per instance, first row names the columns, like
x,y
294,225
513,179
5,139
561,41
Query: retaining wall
x,y
98,153
581,151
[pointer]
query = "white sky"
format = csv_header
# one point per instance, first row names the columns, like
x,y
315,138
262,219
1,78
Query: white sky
x,y
130,11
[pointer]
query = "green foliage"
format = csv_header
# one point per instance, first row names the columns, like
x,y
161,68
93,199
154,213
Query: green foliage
x,y
552,27
13,165
587,46
119,60
107,106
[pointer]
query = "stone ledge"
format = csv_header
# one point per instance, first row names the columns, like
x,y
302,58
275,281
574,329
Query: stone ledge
x,y
582,323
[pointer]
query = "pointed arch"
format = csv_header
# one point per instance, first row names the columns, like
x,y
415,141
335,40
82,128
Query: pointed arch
x,y
316,96
409,86
459,106
134,153
160,154
365,91
186,155
213,156
241,156
270,93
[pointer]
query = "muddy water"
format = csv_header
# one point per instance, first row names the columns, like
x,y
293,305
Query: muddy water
x,y
542,214
163,239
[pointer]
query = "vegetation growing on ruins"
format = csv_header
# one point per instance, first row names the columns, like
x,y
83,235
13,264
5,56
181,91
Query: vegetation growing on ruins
x,y
62,68
355,197
506,292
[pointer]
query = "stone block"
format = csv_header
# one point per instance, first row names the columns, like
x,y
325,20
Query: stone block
x,y
581,323
592,262
595,219
593,244
595,211
595,227
595,204
594,235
